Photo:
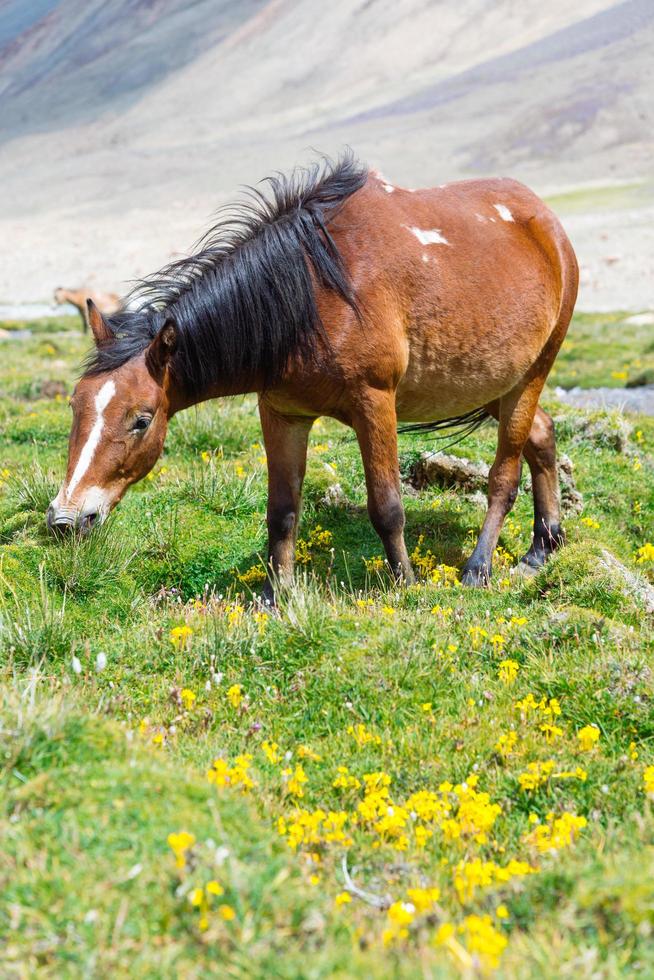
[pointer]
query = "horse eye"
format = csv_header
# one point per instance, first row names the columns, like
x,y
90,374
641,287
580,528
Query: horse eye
x,y
141,423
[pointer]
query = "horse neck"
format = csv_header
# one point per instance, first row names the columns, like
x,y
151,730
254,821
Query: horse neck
x,y
179,399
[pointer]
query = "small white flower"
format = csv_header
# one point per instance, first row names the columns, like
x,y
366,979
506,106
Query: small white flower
x,y
100,662
76,665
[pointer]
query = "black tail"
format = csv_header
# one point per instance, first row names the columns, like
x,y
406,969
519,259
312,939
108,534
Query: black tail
x,y
459,425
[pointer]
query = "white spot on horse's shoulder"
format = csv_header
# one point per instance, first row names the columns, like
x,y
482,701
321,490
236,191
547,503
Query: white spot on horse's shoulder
x,y
480,217
102,399
430,236
503,212
388,188
425,257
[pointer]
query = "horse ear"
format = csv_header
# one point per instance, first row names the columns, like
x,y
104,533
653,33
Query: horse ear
x,y
161,349
97,323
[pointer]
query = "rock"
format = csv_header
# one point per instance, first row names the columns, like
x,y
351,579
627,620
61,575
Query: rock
x,y
335,496
633,584
642,380
50,389
443,470
641,320
608,430
638,399
572,502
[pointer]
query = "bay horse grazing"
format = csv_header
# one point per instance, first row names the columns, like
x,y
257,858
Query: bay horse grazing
x,y
105,302
342,295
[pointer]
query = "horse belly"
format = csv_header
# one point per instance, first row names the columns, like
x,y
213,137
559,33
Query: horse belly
x,y
454,368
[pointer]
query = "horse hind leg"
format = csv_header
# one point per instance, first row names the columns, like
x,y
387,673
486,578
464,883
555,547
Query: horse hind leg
x,y
540,453
516,412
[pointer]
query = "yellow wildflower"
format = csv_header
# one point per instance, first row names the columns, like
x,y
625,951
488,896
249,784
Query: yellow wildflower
x,y
374,564
295,780
343,898
180,843
508,670
235,614
235,696
588,737
648,781
226,913
558,832
423,899
214,888
506,743
188,698
196,897
550,731
179,636
590,522
270,750
477,634
344,780
362,736
253,575
645,553
483,940
304,752
536,775
222,774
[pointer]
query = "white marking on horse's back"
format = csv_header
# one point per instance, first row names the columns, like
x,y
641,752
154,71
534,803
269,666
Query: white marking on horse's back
x,y
102,399
425,257
384,181
428,236
503,212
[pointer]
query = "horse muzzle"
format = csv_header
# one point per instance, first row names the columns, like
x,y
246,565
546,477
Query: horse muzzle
x,y
61,520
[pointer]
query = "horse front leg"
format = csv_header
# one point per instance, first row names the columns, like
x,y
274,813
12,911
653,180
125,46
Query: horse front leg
x,y
285,439
515,417
375,422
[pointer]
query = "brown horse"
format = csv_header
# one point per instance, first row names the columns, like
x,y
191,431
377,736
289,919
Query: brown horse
x,y
345,296
106,302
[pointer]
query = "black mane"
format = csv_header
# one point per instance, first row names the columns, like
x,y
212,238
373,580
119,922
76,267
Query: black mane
x,y
245,302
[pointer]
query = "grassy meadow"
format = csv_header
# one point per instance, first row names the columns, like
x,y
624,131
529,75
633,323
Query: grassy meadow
x,y
376,781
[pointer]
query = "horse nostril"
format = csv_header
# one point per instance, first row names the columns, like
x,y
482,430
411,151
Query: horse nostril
x,y
58,524
88,521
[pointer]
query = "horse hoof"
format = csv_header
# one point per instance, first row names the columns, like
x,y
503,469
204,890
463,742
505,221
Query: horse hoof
x,y
477,576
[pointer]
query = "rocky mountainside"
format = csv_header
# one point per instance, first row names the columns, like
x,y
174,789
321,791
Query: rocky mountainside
x,y
123,125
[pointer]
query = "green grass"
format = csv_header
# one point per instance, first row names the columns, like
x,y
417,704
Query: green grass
x,y
601,349
629,194
104,752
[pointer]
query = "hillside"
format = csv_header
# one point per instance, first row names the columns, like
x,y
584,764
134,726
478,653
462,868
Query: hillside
x,y
125,125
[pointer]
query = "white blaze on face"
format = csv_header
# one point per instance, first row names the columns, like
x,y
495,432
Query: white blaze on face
x,y
503,212
102,399
428,237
